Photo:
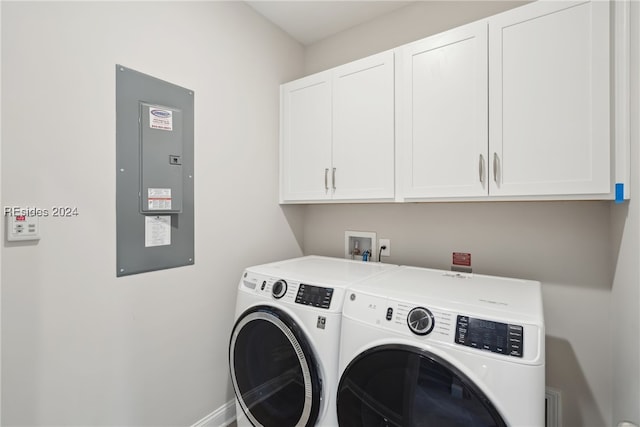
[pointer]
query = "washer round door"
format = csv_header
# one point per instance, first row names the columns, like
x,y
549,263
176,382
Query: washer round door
x,y
398,385
273,369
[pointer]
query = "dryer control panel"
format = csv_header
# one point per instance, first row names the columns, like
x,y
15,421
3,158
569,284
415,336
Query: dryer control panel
x,y
496,337
315,296
292,292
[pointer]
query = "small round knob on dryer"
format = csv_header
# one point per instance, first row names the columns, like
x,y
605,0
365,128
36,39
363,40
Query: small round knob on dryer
x,y
420,321
279,289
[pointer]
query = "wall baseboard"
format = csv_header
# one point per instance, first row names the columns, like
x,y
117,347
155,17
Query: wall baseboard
x,y
221,417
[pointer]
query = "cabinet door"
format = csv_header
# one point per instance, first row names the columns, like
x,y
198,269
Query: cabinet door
x,y
305,146
363,129
443,118
549,99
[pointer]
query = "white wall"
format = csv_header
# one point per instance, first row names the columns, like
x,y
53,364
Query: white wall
x,y
565,245
79,346
402,26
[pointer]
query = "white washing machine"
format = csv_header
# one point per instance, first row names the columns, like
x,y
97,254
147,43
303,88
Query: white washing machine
x,y
424,348
283,352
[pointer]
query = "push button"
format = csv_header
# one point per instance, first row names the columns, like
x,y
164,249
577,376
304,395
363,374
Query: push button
x,y
515,340
389,313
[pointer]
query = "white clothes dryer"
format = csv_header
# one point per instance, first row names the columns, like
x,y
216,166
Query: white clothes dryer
x,y
283,351
423,347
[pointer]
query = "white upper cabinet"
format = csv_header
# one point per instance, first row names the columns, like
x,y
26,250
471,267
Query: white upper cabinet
x,y
305,151
337,133
549,100
524,114
363,129
513,107
443,115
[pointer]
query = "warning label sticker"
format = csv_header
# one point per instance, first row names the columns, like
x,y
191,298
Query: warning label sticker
x,y
160,119
461,258
159,198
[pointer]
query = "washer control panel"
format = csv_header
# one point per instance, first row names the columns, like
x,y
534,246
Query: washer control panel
x,y
496,337
315,296
473,331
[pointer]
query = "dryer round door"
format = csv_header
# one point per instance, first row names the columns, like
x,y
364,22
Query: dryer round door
x,y
273,369
399,385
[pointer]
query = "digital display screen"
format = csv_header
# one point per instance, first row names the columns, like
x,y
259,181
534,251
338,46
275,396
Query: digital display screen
x,y
314,295
480,326
496,337
21,218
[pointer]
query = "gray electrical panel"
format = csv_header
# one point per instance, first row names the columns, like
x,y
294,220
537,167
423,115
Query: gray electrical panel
x,y
155,176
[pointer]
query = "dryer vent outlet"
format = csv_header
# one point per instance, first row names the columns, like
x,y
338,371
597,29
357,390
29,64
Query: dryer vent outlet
x,y
553,408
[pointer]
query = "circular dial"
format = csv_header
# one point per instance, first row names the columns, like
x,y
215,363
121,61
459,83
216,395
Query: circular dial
x,y
279,289
420,321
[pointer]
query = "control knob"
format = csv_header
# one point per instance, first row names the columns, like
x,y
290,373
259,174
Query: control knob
x,y
279,289
420,321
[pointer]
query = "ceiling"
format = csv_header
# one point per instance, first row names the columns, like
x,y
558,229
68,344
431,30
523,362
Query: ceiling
x,y
311,21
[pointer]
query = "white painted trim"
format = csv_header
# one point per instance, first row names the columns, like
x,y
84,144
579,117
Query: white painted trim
x,y
553,402
221,417
622,101
1,222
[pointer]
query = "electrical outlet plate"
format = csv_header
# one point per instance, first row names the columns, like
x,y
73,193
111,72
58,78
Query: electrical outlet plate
x,y
387,244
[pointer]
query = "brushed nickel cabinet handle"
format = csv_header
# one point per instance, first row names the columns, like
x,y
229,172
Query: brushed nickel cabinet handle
x,y
333,179
496,163
326,183
481,168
